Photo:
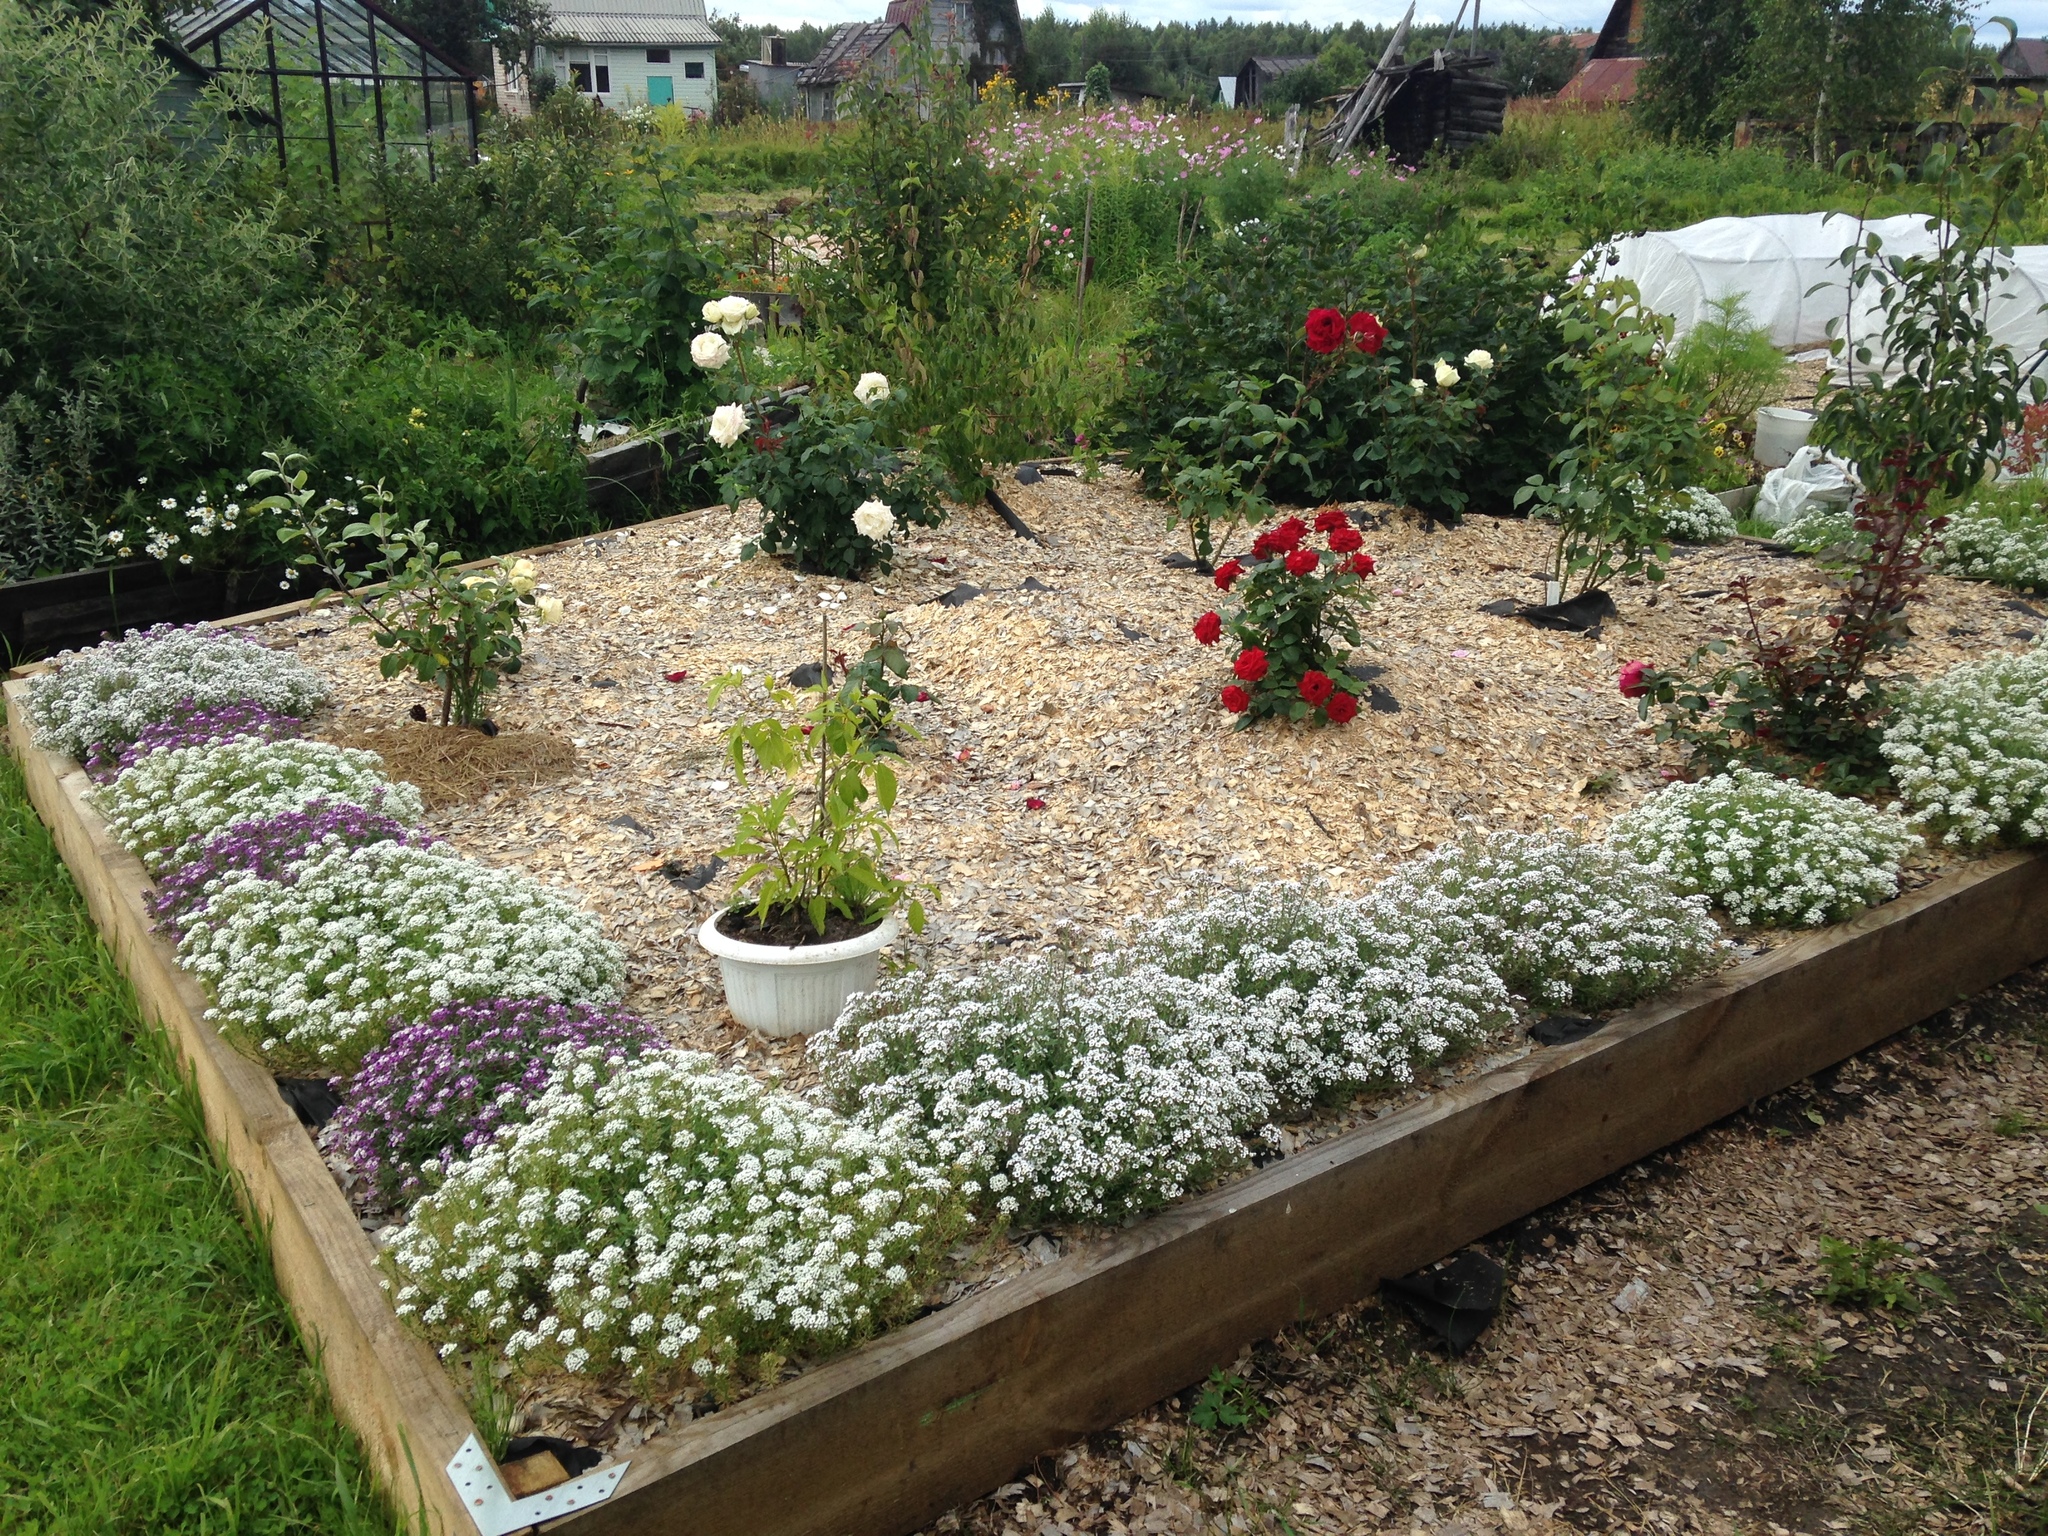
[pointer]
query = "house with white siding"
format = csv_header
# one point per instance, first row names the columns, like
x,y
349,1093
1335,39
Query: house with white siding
x,y
628,53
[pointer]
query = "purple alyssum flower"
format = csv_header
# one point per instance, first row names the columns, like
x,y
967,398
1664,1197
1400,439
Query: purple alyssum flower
x,y
271,849
439,1090
190,724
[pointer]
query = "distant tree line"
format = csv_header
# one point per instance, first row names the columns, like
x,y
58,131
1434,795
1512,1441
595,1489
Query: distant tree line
x,y
1834,73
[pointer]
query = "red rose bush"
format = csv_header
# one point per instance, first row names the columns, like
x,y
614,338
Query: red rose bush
x,y
1297,619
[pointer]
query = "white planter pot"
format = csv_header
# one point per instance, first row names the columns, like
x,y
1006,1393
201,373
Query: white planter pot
x,y
795,989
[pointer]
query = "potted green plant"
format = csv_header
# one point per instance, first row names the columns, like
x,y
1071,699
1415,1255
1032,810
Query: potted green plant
x,y
814,906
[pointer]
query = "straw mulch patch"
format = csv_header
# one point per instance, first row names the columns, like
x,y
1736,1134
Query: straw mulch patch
x,y
453,765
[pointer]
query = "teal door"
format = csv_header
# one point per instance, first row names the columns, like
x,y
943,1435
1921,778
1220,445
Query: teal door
x,y
661,90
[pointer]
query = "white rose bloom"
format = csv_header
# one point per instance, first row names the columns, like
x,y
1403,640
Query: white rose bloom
x,y
727,423
549,608
872,387
521,574
712,312
874,520
735,314
1446,375
709,350
1417,385
1479,360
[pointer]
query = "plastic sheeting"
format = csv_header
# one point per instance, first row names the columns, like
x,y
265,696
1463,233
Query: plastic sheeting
x,y
1771,262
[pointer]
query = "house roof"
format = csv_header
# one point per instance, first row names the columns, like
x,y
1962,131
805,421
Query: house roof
x,y
1603,82
2025,58
847,51
1274,65
679,22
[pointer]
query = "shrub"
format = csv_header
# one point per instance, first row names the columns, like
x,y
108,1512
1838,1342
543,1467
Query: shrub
x,y
1998,539
666,1215
49,487
271,849
1233,310
1339,995
440,1089
191,725
1094,1095
1065,1095
1296,623
106,695
1697,516
814,472
162,805
1566,923
1769,852
314,973
1969,751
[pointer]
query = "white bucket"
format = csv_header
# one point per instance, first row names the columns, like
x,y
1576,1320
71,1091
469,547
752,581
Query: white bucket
x,y
1780,432
782,990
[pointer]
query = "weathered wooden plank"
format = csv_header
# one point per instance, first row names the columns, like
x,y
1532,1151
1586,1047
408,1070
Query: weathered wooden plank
x,y
939,1412
385,1382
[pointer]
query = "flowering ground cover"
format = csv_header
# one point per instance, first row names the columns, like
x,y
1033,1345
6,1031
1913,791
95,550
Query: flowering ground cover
x,y
1062,1055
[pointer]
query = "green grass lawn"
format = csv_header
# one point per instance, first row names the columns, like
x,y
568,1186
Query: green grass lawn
x,y
150,1380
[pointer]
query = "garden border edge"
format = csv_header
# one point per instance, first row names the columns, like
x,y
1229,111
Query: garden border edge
x,y
931,1415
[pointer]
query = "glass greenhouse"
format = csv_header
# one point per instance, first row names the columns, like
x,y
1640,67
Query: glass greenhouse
x,y
343,77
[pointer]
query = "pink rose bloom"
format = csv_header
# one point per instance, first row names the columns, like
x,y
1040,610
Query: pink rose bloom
x,y
1630,680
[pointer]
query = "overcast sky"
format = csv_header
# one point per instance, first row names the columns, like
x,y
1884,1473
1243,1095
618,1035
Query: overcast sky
x,y
2030,15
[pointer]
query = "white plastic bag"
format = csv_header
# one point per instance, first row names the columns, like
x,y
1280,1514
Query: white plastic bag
x,y
1813,475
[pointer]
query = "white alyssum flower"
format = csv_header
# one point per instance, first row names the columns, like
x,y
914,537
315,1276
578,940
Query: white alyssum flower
x,y
313,974
1969,751
1980,546
169,800
1697,516
872,387
1566,923
727,423
667,1214
735,314
1095,1095
1479,360
874,520
111,691
1768,852
1446,375
710,351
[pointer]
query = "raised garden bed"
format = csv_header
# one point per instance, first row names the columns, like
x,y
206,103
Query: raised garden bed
x,y
939,1411
943,1408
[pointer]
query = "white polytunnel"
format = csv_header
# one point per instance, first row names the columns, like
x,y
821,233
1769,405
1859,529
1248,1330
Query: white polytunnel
x,y
1772,261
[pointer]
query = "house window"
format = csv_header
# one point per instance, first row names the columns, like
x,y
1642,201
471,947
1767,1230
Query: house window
x,y
657,55
579,75
694,70
604,79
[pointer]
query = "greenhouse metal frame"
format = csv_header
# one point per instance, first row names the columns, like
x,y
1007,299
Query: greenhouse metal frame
x,y
387,77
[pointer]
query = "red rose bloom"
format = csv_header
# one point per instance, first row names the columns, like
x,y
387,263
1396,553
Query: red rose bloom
x,y
1359,565
1631,680
1325,330
1301,561
1264,545
1330,519
1226,573
1341,709
1208,629
1344,540
1316,687
1236,700
1367,334
1250,665
1290,533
